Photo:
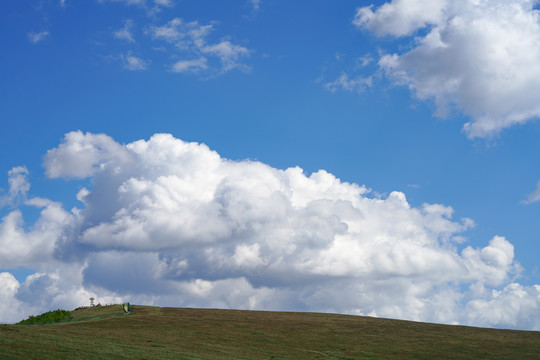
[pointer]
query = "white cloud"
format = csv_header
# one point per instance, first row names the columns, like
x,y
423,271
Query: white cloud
x,y
480,56
364,61
134,63
125,32
127,2
10,307
82,155
344,82
190,65
534,196
228,53
18,186
166,3
189,43
400,17
151,7
34,37
192,38
195,229
19,247
507,308
169,31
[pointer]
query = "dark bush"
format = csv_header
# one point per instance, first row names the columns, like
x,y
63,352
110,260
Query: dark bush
x,y
48,317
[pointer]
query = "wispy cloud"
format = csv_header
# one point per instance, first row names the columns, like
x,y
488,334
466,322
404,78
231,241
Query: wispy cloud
x,y
190,65
125,33
35,37
134,63
170,32
534,196
192,39
151,6
167,3
364,61
343,82
255,5
190,44
127,2
228,53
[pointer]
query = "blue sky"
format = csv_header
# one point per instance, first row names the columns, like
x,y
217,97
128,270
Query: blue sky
x,y
374,93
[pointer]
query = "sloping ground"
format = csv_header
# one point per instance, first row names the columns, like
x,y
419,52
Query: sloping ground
x,y
170,333
97,312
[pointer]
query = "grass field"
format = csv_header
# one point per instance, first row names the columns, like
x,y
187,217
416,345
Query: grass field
x,y
174,333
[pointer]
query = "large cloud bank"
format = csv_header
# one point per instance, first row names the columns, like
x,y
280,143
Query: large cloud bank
x,y
168,222
481,56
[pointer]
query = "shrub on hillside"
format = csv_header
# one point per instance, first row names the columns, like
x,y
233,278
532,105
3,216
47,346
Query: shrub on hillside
x,y
48,317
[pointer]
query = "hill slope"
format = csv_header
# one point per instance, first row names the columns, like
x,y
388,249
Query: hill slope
x,y
173,333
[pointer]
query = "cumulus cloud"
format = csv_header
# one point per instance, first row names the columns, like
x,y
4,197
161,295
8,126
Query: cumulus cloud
x,y
192,39
18,186
507,307
172,223
481,57
33,248
19,247
82,155
400,17
10,307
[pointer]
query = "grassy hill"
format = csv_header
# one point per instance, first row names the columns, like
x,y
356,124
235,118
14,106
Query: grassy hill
x,y
173,333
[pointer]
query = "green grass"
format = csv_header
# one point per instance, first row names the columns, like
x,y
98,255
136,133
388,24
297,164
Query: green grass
x,y
97,312
171,333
